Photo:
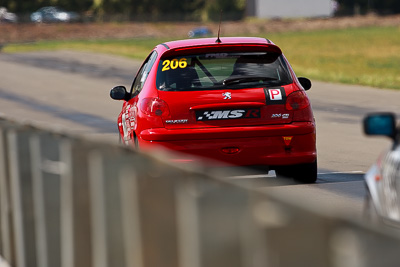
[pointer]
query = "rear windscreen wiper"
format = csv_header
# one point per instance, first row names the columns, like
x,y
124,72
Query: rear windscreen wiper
x,y
245,79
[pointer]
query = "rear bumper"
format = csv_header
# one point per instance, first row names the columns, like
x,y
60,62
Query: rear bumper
x,y
162,134
262,145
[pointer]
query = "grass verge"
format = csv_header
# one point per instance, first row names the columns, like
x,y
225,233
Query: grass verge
x,y
365,56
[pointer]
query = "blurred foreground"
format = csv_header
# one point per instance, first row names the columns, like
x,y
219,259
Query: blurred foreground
x,y
68,201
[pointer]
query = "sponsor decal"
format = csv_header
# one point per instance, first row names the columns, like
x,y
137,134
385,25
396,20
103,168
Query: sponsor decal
x,y
275,96
127,109
217,55
227,114
227,95
176,121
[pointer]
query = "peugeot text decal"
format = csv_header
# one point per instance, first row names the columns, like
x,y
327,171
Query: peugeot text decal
x,y
176,121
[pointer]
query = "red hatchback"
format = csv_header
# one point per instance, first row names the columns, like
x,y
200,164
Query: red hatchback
x,y
235,100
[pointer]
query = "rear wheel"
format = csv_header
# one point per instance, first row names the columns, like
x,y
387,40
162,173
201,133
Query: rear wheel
x,y
304,173
136,143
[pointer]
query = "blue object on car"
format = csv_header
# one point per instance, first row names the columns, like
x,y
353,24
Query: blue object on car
x,y
380,124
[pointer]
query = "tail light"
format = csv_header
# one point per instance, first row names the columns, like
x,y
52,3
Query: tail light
x,y
299,103
154,107
297,100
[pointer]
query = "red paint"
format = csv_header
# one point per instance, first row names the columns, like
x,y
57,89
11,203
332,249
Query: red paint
x,y
253,139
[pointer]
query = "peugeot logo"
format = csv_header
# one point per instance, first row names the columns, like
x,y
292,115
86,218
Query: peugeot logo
x,y
227,95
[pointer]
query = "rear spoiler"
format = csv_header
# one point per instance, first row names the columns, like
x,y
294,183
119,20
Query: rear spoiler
x,y
221,47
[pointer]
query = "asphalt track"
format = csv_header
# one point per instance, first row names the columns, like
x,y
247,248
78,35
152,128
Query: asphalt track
x,y
70,91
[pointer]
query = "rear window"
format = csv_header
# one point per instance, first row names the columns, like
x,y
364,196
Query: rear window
x,y
222,70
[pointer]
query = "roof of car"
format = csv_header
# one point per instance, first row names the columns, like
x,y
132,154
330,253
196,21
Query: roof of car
x,y
212,41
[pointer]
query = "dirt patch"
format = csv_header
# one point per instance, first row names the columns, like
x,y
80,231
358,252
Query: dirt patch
x,y
31,32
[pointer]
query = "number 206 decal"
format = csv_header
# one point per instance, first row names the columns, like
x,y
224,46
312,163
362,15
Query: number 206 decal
x,y
174,64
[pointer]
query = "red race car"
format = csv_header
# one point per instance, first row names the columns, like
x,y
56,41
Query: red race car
x,y
235,100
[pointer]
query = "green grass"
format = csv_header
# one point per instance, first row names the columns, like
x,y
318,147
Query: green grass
x,y
365,56
132,48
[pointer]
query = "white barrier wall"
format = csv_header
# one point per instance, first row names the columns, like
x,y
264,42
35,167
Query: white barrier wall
x,y
290,8
70,202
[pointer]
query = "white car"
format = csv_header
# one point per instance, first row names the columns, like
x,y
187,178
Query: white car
x,y
383,178
51,14
6,16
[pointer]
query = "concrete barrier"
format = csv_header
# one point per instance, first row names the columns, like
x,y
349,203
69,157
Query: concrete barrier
x,y
71,202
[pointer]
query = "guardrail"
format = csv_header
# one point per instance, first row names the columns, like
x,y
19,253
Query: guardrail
x,y
67,201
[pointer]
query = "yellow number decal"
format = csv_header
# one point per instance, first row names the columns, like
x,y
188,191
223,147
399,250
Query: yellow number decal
x,y
183,63
166,65
174,64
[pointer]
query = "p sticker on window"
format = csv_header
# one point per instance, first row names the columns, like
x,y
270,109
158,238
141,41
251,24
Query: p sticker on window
x,y
275,96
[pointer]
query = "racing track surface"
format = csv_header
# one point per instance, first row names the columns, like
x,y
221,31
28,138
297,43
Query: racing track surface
x,y
70,90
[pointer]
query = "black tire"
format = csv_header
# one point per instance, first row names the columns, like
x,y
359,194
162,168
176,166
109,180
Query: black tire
x,y
304,173
284,172
137,148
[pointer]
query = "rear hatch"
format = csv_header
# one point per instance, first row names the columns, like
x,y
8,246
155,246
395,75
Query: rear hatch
x,y
226,108
224,86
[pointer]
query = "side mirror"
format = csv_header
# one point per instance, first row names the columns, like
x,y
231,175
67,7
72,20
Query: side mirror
x,y
305,82
380,124
119,93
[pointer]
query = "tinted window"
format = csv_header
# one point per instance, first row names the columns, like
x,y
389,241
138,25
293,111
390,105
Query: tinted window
x,y
222,70
143,73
